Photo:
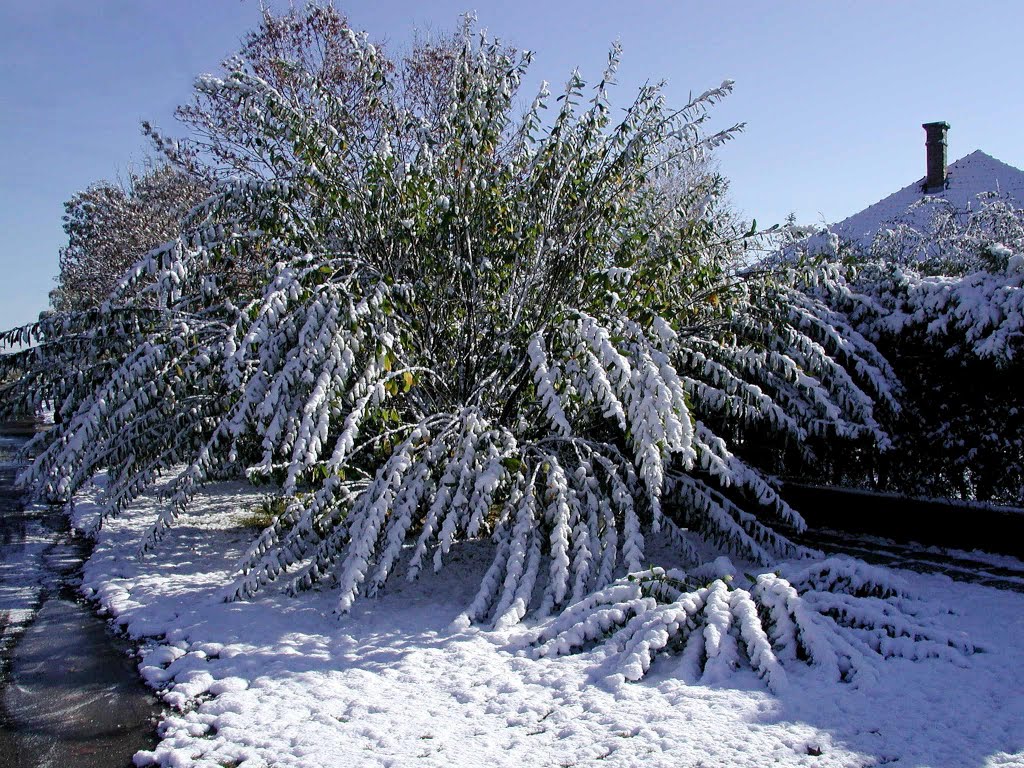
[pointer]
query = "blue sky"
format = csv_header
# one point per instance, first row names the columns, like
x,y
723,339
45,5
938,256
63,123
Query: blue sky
x,y
833,93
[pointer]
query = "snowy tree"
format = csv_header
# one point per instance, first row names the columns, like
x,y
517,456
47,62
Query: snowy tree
x,y
301,54
476,325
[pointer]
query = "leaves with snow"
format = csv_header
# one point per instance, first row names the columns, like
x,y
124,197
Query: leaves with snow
x,y
838,615
944,301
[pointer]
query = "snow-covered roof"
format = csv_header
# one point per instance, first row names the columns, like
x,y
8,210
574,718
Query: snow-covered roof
x,y
968,177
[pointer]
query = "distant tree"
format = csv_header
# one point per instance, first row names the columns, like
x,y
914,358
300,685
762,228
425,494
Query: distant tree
x,y
110,226
307,56
482,324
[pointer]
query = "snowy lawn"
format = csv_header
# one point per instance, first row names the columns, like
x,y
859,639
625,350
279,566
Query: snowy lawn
x,y
281,681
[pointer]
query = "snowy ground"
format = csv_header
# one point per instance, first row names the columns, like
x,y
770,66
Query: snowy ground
x,y
282,682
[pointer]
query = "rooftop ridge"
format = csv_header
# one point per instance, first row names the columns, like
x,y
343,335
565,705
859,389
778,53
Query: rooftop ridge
x,y
967,177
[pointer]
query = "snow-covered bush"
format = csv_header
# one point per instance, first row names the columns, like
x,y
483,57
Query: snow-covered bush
x,y
944,303
475,324
954,284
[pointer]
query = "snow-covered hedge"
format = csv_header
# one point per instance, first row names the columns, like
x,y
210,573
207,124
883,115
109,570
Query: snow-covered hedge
x,y
944,303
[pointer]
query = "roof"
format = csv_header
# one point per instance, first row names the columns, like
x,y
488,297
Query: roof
x,y
968,177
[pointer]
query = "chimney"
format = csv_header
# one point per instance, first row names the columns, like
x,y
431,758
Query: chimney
x,y
935,144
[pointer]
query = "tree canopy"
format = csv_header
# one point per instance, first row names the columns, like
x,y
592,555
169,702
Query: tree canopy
x,y
110,226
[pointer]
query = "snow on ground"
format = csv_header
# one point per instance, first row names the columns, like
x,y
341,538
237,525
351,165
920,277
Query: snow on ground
x,y
281,681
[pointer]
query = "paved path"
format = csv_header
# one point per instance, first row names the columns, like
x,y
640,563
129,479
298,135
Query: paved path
x,y
70,696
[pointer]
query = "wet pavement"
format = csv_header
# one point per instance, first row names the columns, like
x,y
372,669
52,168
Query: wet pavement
x,y
70,695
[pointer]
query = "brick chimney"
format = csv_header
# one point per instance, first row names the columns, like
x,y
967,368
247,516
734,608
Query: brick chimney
x,y
935,144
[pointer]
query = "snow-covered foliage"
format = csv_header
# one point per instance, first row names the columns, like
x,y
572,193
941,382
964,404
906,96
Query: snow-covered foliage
x,y
954,284
474,325
944,302
837,615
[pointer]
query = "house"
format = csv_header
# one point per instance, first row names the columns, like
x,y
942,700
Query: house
x,y
959,184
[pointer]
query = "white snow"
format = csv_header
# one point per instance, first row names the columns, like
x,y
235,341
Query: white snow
x,y
283,681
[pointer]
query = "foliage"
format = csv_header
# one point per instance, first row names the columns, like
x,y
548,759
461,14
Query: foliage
x,y
770,622
263,514
303,55
472,324
944,303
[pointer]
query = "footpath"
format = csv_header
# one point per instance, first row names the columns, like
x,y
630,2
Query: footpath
x,y
975,567
70,694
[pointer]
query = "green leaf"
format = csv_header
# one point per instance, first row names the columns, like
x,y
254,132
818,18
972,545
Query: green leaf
x,y
511,463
